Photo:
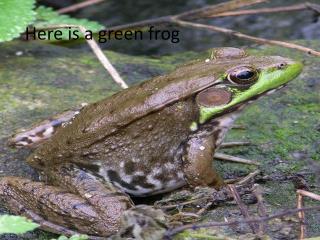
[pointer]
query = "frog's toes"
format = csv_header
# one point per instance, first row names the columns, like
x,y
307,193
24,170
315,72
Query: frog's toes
x,y
142,222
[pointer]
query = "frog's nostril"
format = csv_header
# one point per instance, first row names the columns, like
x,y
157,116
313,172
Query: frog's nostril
x,y
282,65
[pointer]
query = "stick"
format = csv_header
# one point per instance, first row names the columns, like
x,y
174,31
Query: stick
x,y
308,194
243,208
215,9
230,158
296,7
248,177
262,210
234,144
97,51
301,214
193,14
238,126
78,6
248,37
314,7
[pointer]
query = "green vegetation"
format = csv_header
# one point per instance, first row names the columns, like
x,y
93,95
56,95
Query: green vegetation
x,y
16,16
47,17
16,224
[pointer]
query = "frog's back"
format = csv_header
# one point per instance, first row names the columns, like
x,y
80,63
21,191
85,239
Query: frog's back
x,y
150,96
105,118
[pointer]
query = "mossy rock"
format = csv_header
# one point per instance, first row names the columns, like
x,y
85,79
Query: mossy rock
x,y
38,80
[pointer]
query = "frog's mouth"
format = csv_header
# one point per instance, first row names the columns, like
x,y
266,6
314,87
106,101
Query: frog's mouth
x,y
241,105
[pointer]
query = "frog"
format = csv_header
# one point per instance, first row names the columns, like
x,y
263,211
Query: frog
x,y
151,138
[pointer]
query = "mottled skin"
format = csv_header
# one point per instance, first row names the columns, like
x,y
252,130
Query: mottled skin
x,y
148,139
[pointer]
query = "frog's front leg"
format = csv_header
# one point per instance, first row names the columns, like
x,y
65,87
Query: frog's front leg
x,y
197,161
83,204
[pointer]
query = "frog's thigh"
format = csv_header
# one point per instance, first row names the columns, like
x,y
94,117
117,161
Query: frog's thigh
x,y
197,162
20,209
64,212
57,206
97,192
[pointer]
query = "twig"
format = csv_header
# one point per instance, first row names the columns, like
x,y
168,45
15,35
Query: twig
x,y
174,231
262,211
230,158
181,204
248,177
248,37
215,9
78,6
188,15
308,194
234,144
243,208
203,209
97,51
181,215
314,7
238,127
232,180
301,214
295,7
242,180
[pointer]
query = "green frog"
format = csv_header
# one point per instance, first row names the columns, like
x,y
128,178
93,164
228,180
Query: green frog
x,y
151,138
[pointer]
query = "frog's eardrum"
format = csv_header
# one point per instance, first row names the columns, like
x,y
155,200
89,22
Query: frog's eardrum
x,y
214,97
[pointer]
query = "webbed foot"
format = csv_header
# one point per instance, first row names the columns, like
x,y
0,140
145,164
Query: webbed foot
x,y
142,222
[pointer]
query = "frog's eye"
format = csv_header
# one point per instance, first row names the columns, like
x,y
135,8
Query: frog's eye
x,y
244,75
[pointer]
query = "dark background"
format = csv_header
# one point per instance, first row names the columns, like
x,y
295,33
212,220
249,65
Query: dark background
x,y
282,26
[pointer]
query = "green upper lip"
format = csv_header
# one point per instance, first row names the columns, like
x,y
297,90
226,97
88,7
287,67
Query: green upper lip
x,y
275,79
268,80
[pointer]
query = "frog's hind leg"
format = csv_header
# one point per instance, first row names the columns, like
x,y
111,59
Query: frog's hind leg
x,y
39,133
39,202
91,207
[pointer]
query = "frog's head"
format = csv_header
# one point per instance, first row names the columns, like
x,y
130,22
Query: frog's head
x,y
243,79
